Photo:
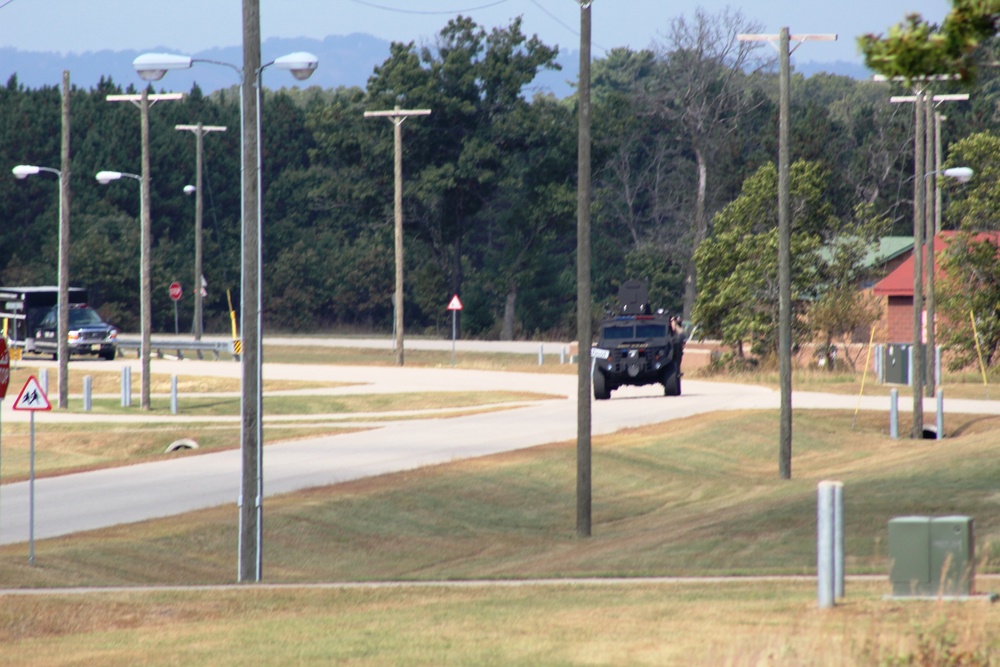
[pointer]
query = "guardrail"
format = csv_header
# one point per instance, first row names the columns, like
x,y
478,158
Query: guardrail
x,y
180,346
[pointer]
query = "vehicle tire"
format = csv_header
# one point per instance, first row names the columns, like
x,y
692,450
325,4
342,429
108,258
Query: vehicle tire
x,y
601,391
55,356
671,381
108,356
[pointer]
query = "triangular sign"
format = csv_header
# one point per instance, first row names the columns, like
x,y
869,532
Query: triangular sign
x,y
455,303
32,397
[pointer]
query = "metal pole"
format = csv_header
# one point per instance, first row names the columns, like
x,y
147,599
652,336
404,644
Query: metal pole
x,y
454,334
894,413
199,148
784,269
918,372
584,325
145,307
31,495
64,248
250,416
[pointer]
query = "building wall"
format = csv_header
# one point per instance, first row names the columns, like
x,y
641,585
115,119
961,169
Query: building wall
x,y
899,319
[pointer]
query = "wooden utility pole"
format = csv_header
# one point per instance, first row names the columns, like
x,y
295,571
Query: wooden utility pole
x,y
584,324
64,249
397,116
199,131
926,160
785,241
251,547
143,102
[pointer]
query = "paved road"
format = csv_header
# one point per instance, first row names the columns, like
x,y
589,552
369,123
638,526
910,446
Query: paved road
x,y
73,503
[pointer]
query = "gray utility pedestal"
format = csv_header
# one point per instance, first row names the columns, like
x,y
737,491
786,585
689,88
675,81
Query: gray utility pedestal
x,y
932,556
896,364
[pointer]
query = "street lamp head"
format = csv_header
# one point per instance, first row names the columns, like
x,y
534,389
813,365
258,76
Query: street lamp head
x,y
25,170
960,174
153,66
190,189
105,177
301,64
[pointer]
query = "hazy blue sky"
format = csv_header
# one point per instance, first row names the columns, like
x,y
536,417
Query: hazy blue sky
x,y
192,25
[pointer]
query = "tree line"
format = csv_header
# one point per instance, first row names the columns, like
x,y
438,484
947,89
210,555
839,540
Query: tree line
x,y
684,136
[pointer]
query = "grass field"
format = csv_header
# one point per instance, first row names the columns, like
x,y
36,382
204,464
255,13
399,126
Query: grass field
x,y
685,498
695,497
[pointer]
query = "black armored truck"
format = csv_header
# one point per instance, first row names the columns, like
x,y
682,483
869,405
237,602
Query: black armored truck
x,y
637,346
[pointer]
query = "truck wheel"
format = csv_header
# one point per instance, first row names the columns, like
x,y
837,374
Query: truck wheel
x,y
601,391
108,356
671,381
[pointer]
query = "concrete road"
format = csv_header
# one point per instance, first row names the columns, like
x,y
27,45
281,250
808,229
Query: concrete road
x,y
73,503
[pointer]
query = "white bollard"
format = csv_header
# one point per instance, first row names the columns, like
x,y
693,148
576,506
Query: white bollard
x,y
838,540
562,355
894,414
173,394
541,354
126,386
43,380
826,586
88,393
939,422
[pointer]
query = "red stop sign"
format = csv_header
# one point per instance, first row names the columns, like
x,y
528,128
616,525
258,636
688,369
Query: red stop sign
x,y
4,368
175,291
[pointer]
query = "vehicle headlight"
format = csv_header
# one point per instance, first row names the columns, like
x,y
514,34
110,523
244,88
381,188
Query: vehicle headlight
x,y
73,336
113,334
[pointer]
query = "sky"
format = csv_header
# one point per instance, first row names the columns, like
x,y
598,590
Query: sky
x,y
189,26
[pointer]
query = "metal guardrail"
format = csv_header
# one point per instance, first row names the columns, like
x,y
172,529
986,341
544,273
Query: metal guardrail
x,y
180,346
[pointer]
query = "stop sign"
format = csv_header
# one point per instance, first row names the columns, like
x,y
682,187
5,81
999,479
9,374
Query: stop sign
x,y
4,368
175,291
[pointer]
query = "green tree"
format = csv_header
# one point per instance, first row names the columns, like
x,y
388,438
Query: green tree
x,y
970,288
974,205
916,48
738,299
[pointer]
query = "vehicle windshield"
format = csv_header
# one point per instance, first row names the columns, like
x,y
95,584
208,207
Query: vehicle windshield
x,y
651,331
619,333
83,317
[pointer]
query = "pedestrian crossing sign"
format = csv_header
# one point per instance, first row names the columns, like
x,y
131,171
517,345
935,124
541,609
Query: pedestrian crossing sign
x,y
32,398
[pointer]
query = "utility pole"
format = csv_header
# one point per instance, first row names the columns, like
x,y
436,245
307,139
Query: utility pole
x,y
64,249
926,212
143,102
584,324
785,240
199,131
251,500
397,116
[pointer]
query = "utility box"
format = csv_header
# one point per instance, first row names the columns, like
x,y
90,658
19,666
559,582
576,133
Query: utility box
x,y
932,556
896,364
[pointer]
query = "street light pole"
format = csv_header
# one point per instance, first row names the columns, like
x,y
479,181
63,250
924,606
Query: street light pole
x,y
145,299
199,132
397,116
152,67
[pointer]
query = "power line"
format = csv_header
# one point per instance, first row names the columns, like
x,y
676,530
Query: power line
x,y
6,3
419,11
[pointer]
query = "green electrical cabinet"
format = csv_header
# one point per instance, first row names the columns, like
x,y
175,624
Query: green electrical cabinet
x,y
932,556
897,364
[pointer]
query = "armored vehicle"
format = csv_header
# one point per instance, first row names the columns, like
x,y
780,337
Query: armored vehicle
x,y
637,346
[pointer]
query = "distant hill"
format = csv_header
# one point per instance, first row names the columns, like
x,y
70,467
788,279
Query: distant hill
x,y
345,60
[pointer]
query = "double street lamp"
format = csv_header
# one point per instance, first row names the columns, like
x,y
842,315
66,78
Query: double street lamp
x,y
153,67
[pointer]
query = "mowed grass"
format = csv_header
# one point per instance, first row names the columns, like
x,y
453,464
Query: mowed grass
x,y
733,623
699,496
691,497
